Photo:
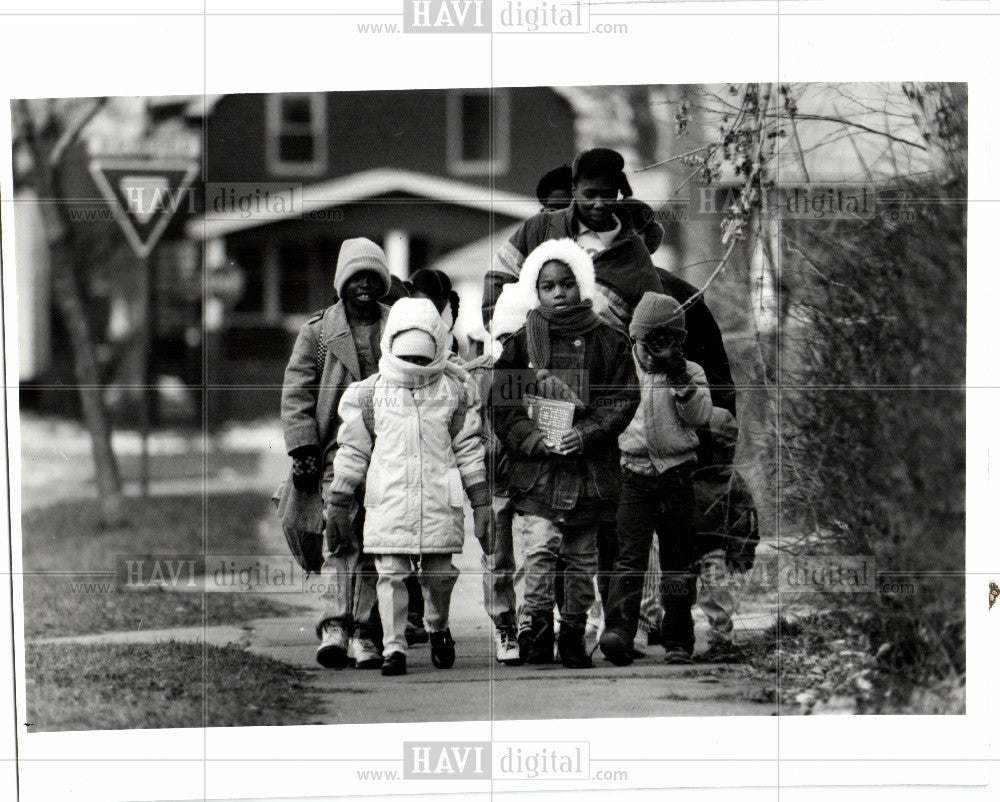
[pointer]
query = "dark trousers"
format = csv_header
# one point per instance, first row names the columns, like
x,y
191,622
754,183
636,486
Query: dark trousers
x,y
661,505
415,600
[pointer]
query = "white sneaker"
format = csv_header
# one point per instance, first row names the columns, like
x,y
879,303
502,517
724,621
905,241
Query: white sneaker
x,y
363,652
641,643
507,651
332,651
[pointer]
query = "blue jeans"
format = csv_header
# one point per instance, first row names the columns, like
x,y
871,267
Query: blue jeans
x,y
542,543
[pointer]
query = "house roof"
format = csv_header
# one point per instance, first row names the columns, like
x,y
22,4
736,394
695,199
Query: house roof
x,y
361,186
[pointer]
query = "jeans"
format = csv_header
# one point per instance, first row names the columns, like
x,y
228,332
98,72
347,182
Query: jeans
x,y
659,505
349,596
607,550
437,580
540,543
498,569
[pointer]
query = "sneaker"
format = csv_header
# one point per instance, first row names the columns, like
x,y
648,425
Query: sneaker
x,y
572,651
416,634
332,651
442,649
394,665
616,648
641,644
507,650
676,656
364,653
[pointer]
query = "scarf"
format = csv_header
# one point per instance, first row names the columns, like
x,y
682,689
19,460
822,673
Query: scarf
x,y
406,374
543,322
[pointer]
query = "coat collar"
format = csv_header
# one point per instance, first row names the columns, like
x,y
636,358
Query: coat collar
x,y
566,221
340,342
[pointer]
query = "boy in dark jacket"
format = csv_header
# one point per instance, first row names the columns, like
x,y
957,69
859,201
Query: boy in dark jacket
x,y
564,353
622,265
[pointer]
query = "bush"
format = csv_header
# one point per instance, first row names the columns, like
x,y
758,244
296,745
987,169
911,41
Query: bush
x,y
872,418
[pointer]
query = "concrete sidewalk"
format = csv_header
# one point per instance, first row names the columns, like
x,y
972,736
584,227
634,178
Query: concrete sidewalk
x,y
477,687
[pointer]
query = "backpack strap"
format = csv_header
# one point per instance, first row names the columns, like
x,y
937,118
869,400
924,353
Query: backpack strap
x,y
366,398
458,416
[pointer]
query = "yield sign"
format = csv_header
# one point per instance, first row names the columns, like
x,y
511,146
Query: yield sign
x,y
144,195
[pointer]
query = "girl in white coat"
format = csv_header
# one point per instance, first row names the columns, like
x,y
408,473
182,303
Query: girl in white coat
x,y
413,435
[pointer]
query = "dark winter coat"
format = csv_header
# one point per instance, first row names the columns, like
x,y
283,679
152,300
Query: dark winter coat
x,y
568,489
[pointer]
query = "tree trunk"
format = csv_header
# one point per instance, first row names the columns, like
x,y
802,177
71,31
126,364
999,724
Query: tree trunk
x,y
58,232
95,416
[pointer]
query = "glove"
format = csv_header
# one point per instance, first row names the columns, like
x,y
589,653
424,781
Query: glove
x,y
484,525
675,367
550,386
339,525
306,468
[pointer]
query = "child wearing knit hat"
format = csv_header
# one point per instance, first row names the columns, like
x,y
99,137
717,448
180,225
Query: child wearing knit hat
x,y
658,454
335,347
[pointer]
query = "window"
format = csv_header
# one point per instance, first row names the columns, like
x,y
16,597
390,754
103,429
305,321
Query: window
x,y
478,135
296,133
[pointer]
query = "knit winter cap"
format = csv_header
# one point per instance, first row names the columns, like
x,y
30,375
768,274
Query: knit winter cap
x,y
357,255
414,342
656,311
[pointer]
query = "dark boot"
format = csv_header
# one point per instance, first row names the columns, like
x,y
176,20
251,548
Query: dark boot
x,y
394,665
543,639
616,647
442,649
572,649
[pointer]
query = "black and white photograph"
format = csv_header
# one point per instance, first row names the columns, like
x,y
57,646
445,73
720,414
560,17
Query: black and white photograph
x,y
514,420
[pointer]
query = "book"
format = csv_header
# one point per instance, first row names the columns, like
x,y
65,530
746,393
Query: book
x,y
553,418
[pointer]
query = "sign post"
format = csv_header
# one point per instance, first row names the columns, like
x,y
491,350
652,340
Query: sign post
x,y
144,192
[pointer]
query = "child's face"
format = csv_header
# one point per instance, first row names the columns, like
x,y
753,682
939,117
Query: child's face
x,y
595,198
663,342
417,360
363,289
557,286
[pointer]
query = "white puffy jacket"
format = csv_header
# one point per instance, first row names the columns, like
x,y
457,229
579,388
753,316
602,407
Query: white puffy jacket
x,y
417,474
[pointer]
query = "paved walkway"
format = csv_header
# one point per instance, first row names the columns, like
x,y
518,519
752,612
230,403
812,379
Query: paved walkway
x,y
477,688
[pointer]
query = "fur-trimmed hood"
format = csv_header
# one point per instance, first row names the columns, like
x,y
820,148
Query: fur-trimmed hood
x,y
520,297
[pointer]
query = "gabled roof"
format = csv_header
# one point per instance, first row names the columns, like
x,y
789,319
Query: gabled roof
x,y
362,186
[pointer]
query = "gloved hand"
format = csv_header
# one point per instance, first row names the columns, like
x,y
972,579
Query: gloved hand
x,y
674,366
551,386
339,526
485,525
306,467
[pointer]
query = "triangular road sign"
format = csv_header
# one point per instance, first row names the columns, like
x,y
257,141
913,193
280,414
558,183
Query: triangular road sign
x,y
144,194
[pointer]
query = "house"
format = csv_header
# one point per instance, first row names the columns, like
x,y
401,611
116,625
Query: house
x,y
289,176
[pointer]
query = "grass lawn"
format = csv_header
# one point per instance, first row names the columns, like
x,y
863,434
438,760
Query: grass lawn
x,y
67,538
98,687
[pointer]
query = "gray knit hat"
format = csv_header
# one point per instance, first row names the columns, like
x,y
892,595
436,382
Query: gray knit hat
x,y
656,311
357,255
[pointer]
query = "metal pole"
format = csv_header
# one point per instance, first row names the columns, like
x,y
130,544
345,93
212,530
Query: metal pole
x,y
147,390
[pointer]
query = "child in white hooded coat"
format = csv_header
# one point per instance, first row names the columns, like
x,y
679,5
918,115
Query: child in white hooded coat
x,y
412,433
